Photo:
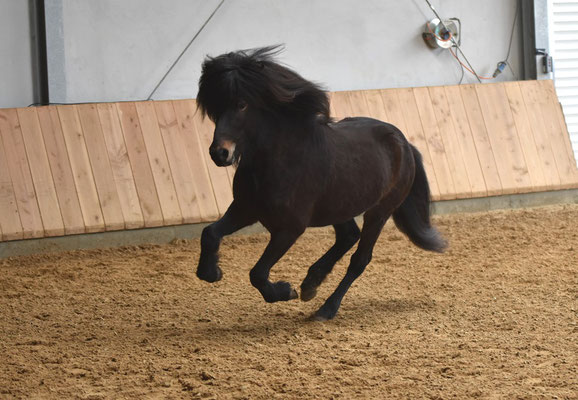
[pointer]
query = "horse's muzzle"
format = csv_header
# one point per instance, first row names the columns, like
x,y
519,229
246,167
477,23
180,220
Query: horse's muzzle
x,y
224,154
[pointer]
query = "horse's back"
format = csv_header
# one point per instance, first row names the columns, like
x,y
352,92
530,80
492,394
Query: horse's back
x,y
366,161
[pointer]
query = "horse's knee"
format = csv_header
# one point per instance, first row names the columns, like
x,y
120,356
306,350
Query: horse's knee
x,y
349,237
358,263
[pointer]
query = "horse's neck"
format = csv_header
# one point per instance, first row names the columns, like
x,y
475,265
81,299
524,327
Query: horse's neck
x,y
280,146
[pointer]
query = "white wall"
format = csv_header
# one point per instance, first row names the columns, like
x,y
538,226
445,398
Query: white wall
x,y
16,88
119,50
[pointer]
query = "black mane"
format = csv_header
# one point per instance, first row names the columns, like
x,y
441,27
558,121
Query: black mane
x,y
253,76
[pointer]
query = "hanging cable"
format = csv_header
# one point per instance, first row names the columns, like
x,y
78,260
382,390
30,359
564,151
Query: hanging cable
x,y
455,43
502,64
185,50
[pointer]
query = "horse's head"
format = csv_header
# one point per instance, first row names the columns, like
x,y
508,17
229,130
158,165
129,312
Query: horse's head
x,y
243,91
229,133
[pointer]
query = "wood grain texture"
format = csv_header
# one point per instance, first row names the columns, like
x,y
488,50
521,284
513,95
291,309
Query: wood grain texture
x,y
178,161
375,107
62,174
120,166
525,135
548,87
465,140
159,163
185,111
435,144
530,94
559,138
453,151
95,167
19,169
81,168
341,105
40,172
101,170
504,138
141,167
10,226
481,140
414,132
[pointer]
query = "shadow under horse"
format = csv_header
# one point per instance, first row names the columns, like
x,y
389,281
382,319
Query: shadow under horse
x,y
297,168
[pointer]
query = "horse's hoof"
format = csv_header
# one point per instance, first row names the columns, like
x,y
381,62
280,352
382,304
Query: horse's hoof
x,y
324,314
308,293
293,295
318,318
210,276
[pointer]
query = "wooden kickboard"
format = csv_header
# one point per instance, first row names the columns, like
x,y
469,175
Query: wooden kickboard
x,y
94,167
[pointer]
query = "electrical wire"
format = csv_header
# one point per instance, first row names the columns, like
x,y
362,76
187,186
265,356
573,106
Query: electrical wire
x,y
465,66
512,33
452,38
462,69
185,50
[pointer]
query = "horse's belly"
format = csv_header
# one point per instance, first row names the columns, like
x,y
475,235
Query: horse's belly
x,y
347,202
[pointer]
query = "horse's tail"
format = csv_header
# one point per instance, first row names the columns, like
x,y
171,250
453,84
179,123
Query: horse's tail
x,y
412,217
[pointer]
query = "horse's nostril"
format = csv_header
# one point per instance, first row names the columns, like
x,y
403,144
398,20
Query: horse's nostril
x,y
223,154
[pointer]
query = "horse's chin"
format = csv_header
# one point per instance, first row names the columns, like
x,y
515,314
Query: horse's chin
x,y
223,163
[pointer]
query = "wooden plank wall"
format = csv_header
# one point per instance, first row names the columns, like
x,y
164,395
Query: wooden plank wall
x,y
99,167
477,140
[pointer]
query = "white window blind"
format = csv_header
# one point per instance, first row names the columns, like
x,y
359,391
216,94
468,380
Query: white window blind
x,y
563,34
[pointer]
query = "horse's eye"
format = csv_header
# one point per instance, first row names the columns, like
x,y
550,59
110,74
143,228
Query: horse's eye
x,y
242,105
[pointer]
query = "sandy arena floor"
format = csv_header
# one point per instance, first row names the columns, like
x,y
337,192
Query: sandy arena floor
x,y
494,317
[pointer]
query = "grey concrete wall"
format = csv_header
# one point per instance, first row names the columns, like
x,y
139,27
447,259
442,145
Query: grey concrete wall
x,y
111,50
16,88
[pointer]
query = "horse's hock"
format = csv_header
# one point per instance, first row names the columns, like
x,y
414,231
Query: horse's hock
x,y
76,169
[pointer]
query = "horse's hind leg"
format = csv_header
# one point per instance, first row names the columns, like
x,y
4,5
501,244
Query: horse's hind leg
x,y
346,235
373,222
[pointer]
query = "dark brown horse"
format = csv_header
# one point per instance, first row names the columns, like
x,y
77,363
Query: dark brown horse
x,y
297,168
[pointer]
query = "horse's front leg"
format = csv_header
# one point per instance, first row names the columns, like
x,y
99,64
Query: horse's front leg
x,y
280,242
234,219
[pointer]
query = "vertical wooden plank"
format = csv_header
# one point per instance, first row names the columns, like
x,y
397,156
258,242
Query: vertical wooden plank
x,y
558,136
61,170
219,178
551,90
159,164
393,109
464,139
357,103
19,169
40,171
375,107
185,110
414,133
435,144
525,135
504,138
481,140
141,168
178,161
331,108
81,168
341,105
120,166
546,158
97,153
453,151
10,226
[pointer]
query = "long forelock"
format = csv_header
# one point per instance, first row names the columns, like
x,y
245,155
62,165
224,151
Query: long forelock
x,y
255,77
